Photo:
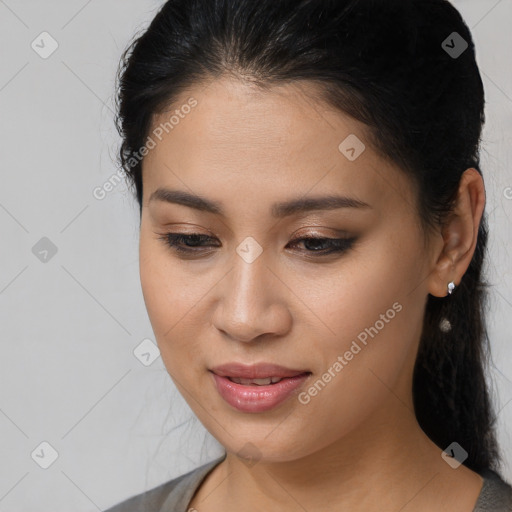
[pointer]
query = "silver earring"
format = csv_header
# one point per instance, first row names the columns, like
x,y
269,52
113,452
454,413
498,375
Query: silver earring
x,y
445,325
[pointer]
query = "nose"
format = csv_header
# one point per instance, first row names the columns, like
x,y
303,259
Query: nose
x,y
252,302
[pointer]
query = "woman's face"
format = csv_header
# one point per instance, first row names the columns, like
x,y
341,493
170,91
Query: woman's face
x,y
250,290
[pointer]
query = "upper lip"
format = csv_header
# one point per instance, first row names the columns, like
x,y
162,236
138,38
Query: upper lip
x,y
255,371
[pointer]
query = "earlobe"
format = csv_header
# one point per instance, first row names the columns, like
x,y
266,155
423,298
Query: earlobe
x,y
459,234
447,252
444,278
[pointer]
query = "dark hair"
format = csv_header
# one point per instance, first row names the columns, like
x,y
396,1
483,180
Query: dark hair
x,y
388,64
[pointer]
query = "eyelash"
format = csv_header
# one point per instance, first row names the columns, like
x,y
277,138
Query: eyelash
x,y
173,240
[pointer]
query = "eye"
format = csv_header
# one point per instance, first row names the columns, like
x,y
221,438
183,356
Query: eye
x,y
194,244
331,245
185,243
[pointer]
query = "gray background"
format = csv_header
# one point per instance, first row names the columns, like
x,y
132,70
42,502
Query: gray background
x,y
71,321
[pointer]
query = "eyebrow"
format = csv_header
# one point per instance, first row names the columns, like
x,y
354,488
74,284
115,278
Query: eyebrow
x,y
278,210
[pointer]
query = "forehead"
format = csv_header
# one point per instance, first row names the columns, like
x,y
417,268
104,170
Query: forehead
x,y
239,141
235,120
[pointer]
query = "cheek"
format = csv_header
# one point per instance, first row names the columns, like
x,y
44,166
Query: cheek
x,y
166,292
368,314
353,295
169,298
363,366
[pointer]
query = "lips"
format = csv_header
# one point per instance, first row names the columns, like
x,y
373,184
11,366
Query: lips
x,y
257,371
258,398
257,388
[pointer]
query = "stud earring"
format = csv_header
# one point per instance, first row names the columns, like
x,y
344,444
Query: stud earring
x,y
451,287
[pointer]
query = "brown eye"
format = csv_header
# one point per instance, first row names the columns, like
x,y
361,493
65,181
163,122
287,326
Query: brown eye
x,y
327,245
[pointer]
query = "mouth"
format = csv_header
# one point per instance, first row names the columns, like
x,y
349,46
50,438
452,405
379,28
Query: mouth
x,y
258,374
257,382
258,388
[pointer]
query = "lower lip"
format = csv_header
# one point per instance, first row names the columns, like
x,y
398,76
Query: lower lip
x,y
257,398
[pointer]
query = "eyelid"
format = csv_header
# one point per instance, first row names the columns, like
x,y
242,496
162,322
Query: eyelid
x,y
312,231
334,233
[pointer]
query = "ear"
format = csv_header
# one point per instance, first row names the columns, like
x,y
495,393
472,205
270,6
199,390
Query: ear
x,y
458,238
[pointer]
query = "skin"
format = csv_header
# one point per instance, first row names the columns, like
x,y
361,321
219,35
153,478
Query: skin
x,y
356,445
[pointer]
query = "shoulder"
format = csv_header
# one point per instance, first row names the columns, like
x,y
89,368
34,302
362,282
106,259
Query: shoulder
x,y
171,496
496,494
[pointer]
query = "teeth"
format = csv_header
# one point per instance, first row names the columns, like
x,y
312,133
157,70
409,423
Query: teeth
x,y
255,382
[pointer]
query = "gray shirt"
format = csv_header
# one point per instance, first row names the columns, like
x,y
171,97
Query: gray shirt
x,y
175,495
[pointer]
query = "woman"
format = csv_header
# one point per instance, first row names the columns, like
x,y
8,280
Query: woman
x,y
311,245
